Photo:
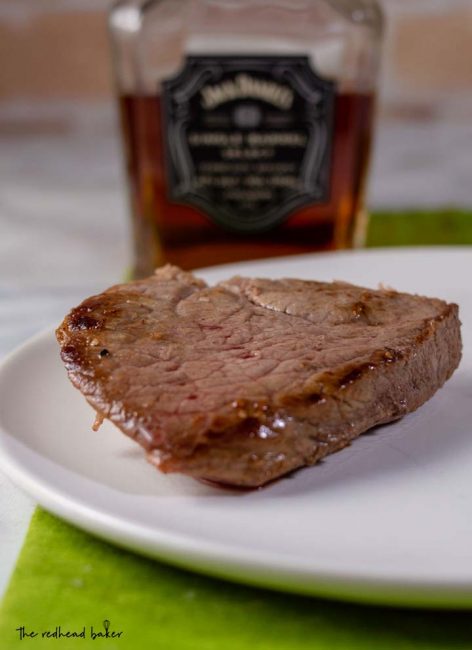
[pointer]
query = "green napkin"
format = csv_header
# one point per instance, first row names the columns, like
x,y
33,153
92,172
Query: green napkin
x,y
67,578
420,228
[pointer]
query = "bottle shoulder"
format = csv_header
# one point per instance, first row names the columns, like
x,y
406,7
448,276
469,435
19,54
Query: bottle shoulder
x,y
359,12
367,12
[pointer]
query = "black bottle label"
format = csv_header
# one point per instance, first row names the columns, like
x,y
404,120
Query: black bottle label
x,y
248,138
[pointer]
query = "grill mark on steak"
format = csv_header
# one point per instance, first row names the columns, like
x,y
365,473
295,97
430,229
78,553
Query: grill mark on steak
x,y
246,381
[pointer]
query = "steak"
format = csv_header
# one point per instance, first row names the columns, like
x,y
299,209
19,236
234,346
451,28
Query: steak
x,y
245,381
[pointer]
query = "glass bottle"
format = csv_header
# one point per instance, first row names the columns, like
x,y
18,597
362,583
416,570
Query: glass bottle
x,y
247,125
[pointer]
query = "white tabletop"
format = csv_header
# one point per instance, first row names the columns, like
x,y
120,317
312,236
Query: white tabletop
x,y
63,235
64,232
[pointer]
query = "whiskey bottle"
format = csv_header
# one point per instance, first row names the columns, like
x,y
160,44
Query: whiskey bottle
x,y
247,125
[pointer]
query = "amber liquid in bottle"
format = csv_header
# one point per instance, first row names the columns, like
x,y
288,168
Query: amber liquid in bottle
x,y
166,231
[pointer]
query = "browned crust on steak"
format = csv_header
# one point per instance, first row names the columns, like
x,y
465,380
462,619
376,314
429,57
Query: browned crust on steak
x,y
347,359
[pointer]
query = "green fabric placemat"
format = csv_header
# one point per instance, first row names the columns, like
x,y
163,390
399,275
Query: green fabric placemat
x,y
420,228
67,578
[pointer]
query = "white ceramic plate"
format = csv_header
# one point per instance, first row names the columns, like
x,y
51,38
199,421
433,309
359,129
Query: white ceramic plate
x,y
388,520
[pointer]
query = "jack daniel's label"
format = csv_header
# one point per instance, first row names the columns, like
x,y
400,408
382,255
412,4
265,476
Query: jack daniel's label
x,y
248,138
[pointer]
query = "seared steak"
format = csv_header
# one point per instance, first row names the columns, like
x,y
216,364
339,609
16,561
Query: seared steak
x,y
245,381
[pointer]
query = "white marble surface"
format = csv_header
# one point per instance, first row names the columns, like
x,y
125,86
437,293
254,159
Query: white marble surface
x,y
64,234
